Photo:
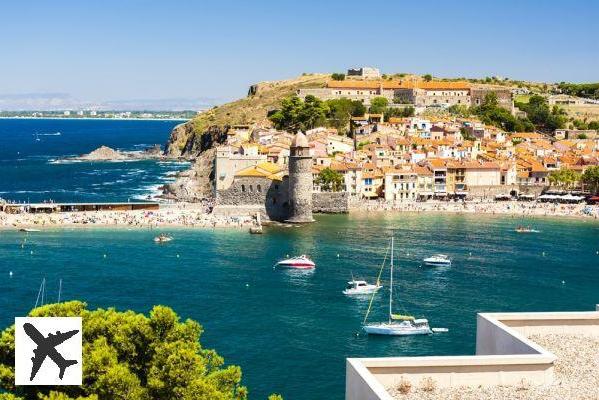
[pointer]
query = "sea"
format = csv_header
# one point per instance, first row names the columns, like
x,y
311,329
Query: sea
x,y
291,331
33,165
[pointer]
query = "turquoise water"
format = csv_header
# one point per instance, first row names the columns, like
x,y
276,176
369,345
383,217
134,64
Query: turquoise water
x,y
291,331
31,168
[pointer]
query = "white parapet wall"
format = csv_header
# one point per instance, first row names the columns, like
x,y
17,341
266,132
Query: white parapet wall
x,y
504,356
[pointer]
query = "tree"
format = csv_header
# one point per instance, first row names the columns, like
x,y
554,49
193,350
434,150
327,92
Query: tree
x,y
590,177
491,113
296,114
428,77
594,125
378,105
131,356
341,110
564,177
329,180
338,77
541,115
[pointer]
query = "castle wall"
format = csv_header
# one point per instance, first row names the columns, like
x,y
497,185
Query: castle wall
x,y
255,194
330,202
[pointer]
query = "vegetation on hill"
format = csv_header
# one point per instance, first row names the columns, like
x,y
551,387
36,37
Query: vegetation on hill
x,y
295,113
254,108
588,90
130,356
540,114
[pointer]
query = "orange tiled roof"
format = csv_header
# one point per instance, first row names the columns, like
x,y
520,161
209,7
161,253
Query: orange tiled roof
x,y
401,84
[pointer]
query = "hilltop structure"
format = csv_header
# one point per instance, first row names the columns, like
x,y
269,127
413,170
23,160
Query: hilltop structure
x,y
419,93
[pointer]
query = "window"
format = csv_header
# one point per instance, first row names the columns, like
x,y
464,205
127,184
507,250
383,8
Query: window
x,y
276,187
251,188
243,188
259,188
368,181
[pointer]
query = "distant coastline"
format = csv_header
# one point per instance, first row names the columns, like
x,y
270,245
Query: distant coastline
x,y
100,118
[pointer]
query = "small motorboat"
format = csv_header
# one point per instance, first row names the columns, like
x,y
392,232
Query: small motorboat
x,y
29,230
355,287
301,262
528,229
163,238
437,260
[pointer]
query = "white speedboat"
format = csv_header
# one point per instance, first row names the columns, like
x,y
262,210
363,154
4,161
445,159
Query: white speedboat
x,y
163,238
397,325
301,262
437,260
355,287
29,230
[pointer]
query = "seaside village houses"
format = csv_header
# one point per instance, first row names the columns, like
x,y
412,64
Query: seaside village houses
x,y
262,170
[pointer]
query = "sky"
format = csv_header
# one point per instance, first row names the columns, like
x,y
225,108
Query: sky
x,y
211,51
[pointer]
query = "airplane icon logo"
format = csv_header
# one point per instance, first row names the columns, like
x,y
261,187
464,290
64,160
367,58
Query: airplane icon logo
x,y
46,347
57,339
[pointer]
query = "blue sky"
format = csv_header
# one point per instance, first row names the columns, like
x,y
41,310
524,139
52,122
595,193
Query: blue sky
x,y
117,50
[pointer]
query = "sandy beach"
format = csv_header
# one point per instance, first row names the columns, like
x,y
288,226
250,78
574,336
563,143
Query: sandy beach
x,y
170,216
191,215
512,208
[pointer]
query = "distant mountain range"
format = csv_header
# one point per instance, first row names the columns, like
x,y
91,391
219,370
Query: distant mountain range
x,y
64,101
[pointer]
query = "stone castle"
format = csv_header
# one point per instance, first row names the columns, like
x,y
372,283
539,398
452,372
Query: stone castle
x,y
278,193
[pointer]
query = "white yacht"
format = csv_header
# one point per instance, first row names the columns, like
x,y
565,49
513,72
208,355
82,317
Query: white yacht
x,y
163,238
437,260
397,325
355,287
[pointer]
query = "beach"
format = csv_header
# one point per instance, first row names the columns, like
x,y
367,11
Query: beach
x,y
513,208
193,215
179,215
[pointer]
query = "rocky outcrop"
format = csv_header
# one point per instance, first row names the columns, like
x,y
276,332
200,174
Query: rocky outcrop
x,y
104,153
194,184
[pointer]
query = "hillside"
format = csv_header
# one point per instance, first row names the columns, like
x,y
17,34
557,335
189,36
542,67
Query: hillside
x,y
193,137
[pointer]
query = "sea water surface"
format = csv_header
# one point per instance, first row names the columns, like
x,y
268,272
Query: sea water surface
x,y
291,331
32,166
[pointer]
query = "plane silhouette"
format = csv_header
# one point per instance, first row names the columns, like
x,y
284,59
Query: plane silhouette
x,y
46,347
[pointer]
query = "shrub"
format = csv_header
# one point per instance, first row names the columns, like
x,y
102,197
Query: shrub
x,y
404,386
428,384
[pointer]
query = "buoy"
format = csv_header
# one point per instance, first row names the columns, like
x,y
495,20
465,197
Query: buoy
x,y
563,282
470,253
104,255
337,255
543,254
177,255
10,274
31,252
247,285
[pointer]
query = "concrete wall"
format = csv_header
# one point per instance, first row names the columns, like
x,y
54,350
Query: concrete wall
x,y
330,202
505,356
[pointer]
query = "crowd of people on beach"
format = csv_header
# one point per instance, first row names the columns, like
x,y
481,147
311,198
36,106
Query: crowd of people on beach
x,y
200,214
166,217
486,207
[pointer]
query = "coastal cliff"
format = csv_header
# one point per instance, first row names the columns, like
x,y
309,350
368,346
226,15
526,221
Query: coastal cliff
x,y
196,140
210,127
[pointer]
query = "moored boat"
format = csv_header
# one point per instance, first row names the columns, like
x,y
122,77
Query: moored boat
x,y
301,262
163,238
397,325
355,287
437,260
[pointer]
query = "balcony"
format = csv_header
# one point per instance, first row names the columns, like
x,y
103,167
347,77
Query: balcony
x,y
508,360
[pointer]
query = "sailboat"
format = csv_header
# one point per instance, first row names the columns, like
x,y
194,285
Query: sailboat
x,y
397,325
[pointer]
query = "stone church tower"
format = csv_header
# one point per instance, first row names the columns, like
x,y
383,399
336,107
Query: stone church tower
x,y
300,181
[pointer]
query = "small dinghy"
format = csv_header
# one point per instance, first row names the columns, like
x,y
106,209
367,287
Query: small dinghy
x,y
163,238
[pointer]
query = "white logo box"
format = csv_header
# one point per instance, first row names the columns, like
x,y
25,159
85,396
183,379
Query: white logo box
x,y
68,353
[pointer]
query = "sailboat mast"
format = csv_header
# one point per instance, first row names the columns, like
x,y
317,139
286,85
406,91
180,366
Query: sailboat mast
x,y
391,284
